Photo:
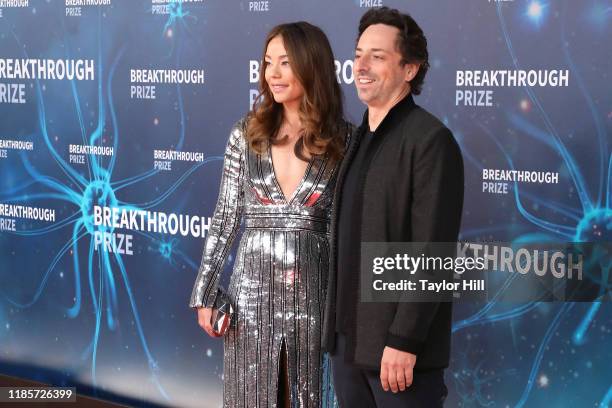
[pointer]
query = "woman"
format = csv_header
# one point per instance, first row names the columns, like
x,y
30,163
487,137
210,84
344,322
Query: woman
x,y
279,174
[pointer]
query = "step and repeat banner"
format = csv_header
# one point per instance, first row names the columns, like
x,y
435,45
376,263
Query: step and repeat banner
x,y
126,106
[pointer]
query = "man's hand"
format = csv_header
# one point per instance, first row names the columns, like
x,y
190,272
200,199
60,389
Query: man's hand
x,y
396,369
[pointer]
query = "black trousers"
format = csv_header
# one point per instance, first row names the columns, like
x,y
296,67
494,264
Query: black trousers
x,y
356,387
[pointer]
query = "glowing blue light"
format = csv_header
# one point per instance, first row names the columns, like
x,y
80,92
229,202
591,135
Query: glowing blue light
x,y
535,11
97,193
166,249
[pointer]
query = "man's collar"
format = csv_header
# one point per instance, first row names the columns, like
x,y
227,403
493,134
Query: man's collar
x,y
399,110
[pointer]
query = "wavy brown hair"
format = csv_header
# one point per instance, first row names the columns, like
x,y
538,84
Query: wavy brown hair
x,y
321,114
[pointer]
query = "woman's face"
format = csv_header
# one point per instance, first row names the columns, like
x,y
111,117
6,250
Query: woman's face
x,y
285,87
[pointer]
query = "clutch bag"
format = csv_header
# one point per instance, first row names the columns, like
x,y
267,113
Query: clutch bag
x,y
223,311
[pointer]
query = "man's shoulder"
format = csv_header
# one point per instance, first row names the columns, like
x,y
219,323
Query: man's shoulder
x,y
426,132
421,119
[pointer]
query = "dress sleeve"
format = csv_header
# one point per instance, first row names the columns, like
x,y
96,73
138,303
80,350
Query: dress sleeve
x,y
225,222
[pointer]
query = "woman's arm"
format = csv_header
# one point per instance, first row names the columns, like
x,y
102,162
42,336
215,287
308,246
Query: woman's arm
x,y
225,222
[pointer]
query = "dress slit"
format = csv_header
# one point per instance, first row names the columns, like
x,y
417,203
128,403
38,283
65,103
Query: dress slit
x,y
284,391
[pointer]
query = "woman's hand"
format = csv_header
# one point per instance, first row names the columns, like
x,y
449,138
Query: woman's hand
x,y
204,320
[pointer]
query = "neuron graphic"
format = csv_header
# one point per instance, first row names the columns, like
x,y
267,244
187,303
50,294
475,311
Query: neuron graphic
x,y
590,222
106,272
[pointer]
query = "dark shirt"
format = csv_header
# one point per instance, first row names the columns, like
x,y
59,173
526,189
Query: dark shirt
x,y
349,239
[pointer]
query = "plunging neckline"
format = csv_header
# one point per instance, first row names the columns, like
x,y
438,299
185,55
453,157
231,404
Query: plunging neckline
x,y
277,185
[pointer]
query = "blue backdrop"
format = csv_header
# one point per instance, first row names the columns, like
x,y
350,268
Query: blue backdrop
x,y
72,312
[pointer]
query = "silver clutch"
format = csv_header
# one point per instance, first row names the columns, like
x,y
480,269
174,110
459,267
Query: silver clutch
x,y
223,311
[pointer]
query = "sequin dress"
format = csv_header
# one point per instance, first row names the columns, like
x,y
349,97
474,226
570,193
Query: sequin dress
x,y
279,275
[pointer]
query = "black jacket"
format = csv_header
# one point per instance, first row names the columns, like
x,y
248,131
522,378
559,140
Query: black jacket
x,y
413,191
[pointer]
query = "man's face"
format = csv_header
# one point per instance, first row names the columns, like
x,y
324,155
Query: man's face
x,y
379,77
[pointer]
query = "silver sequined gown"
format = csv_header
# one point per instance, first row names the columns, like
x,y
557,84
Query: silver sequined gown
x,y
279,276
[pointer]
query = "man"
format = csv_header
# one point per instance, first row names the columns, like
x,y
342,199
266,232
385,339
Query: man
x,y
401,181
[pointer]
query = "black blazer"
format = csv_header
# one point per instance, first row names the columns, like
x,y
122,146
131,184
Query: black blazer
x,y
413,191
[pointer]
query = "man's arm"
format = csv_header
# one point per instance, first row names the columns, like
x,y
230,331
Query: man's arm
x,y
437,202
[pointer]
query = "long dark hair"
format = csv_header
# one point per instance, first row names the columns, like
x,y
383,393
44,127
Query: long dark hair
x,y
320,112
